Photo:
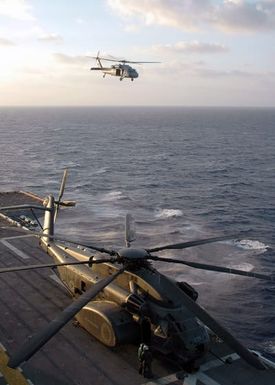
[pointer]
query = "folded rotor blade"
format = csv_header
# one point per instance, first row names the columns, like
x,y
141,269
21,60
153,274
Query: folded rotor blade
x,y
61,239
39,339
50,265
224,334
184,245
93,247
221,269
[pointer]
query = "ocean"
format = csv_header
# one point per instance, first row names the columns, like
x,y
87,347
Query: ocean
x,y
183,174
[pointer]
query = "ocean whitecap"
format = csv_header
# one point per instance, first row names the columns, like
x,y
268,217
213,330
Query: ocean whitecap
x,y
100,171
168,213
113,196
248,244
243,266
269,346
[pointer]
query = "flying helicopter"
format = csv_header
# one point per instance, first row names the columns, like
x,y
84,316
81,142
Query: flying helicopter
x,y
121,68
119,297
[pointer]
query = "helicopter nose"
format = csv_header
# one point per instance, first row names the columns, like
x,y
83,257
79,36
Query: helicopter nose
x,y
134,74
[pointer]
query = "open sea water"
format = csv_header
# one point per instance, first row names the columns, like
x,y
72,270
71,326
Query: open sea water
x,y
183,173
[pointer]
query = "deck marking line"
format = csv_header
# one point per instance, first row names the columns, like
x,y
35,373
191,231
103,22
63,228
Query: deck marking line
x,y
163,381
12,376
15,250
55,278
207,380
190,380
18,237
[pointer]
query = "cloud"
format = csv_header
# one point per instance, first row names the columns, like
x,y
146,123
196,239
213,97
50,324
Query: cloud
x,y
6,42
191,47
80,20
203,71
215,73
228,15
71,60
245,16
175,13
16,9
50,37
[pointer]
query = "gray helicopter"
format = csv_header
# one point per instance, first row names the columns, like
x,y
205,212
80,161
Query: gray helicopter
x,y
120,298
121,69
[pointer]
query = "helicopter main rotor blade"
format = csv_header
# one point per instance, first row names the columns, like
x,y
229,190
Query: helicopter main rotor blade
x,y
61,239
99,68
103,58
221,269
50,265
221,332
130,234
185,245
93,247
61,192
122,60
138,62
38,340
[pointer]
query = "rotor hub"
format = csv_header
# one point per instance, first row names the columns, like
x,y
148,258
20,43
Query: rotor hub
x,y
132,254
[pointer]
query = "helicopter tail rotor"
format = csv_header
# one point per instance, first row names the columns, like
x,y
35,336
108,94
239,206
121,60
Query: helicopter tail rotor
x,y
61,192
98,59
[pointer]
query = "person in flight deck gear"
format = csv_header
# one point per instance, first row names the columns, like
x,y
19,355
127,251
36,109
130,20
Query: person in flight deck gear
x,y
145,361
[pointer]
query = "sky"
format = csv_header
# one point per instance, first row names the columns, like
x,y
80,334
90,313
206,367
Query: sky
x,y
211,52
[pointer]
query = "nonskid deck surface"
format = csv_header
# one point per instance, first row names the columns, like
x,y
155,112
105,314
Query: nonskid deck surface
x,y
73,357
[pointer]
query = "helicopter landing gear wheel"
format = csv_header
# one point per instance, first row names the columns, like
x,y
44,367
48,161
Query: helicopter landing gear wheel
x,y
132,79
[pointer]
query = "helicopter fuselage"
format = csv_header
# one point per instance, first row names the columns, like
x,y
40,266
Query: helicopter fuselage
x,y
116,314
120,70
122,298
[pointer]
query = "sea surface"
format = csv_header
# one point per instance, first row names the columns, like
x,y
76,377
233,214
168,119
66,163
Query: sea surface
x,y
183,174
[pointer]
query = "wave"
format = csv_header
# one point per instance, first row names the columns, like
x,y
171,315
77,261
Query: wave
x,y
100,171
248,244
168,213
113,196
243,266
196,283
270,346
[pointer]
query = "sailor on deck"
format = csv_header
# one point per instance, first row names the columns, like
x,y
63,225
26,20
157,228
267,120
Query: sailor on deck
x,y
145,358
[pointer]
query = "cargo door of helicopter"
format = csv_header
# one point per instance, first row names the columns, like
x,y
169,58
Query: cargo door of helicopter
x,y
118,72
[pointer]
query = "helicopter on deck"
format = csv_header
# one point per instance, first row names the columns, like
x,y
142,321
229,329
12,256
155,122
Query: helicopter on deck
x,y
121,298
121,69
